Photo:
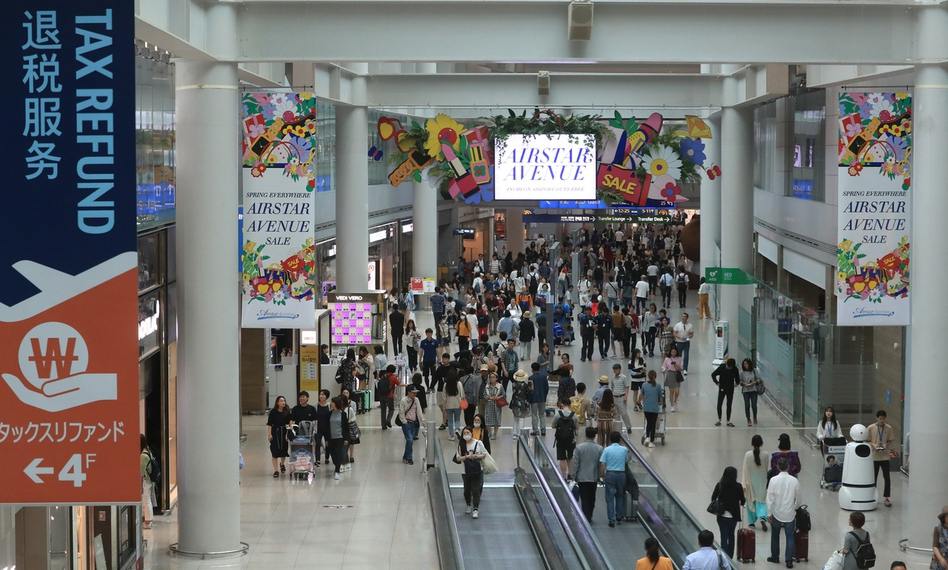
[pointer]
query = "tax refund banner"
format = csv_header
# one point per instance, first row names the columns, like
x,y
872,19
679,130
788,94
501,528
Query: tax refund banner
x,y
873,254
69,428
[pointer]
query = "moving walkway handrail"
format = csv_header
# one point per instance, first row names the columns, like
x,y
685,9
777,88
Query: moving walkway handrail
x,y
449,560
567,527
590,544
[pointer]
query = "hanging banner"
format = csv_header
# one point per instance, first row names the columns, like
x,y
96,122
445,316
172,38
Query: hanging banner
x,y
875,209
278,255
69,428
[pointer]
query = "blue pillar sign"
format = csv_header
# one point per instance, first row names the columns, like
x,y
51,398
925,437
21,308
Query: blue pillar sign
x,y
68,264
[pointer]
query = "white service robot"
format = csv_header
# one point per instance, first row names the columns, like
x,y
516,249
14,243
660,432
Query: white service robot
x,y
858,489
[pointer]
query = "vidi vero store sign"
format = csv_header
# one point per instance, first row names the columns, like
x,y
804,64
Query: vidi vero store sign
x,y
68,302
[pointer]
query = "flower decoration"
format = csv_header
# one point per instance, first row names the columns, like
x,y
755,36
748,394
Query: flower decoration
x,y
879,103
692,150
258,170
855,168
671,191
662,161
442,129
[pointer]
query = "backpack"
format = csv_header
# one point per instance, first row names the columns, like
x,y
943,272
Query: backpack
x,y
383,387
565,428
865,553
344,372
154,467
803,519
682,281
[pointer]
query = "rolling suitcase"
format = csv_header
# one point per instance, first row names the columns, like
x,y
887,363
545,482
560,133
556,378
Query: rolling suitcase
x,y
801,540
746,545
366,401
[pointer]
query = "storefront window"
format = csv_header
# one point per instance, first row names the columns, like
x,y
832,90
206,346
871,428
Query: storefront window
x,y
325,146
154,144
149,261
807,148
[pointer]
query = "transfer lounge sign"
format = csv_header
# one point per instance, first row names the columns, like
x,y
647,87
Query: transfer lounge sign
x,y
69,428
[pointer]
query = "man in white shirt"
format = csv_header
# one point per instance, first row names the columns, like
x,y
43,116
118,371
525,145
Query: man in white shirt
x,y
783,498
620,391
665,285
706,557
683,332
478,284
641,294
620,236
652,272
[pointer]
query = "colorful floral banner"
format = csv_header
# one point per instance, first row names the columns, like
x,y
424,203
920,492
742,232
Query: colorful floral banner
x,y
875,209
278,260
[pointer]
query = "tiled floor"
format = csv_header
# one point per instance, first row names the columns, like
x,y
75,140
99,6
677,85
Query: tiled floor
x,y
389,523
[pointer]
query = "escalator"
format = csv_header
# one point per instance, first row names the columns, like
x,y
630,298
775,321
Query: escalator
x,y
521,525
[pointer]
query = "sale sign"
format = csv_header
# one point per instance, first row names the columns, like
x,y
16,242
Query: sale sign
x,y
69,428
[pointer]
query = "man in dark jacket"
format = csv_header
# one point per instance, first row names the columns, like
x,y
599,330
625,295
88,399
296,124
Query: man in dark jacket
x,y
527,334
587,331
303,411
726,376
541,387
396,323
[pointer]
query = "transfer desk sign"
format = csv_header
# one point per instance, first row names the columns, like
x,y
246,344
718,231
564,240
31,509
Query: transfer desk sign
x,y
873,253
69,428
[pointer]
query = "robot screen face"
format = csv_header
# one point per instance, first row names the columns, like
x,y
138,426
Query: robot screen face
x,y
863,450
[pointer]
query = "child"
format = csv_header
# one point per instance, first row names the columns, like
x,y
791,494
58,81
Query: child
x,y
580,404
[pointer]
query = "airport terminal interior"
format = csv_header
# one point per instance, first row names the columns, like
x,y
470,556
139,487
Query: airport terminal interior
x,y
419,284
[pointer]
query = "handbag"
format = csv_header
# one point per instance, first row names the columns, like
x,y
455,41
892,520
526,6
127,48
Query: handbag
x,y
355,434
835,561
464,403
714,507
488,465
501,402
761,389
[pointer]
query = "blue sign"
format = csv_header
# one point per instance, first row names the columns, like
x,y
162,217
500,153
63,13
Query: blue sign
x,y
573,204
69,189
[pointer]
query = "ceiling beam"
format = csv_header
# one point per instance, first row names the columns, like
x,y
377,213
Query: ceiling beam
x,y
567,90
682,31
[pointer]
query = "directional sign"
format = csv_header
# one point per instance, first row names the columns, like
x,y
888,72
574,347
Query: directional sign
x,y
727,276
466,233
69,296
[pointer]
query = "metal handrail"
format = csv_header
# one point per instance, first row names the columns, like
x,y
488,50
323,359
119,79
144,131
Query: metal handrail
x,y
522,442
584,525
453,560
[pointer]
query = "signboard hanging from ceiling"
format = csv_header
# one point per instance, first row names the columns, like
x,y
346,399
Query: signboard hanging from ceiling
x,y
545,167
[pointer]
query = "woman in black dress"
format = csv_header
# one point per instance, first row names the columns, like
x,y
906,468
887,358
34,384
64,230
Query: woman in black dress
x,y
277,423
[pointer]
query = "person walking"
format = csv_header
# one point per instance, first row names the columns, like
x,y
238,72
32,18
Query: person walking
x,y
730,497
665,283
681,283
750,384
652,559
385,388
853,539
754,478
605,415
783,498
414,344
565,425
278,421
621,388
429,356
612,464
472,383
339,431
351,410
704,294
882,441
453,394
637,372
494,394
396,321
603,330
481,432
519,401
672,367
649,329
683,332
145,461
471,453
784,451
940,542
650,400
706,557
828,427
726,376
528,333
587,332
540,388
411,416
585,471
642,288
579,403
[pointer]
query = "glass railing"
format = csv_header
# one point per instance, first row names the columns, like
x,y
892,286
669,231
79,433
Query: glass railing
x,y
661,512
439,494
583,536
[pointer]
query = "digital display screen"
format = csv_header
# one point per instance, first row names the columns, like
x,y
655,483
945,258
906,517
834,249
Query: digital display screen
x,y
351,323
545,167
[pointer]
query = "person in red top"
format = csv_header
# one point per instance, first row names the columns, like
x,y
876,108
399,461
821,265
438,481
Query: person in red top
x,y
386,395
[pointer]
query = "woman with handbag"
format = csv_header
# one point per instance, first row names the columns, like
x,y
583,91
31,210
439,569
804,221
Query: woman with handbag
x,y
354,432
605,414
338,434
726,502
754,476
471,453
496,400
453,396
750,386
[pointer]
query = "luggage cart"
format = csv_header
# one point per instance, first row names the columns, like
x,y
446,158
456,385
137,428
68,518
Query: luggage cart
x,y
834,452
303,452
660,428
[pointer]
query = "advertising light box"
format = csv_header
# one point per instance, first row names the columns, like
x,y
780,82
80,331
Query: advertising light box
x,y
545,167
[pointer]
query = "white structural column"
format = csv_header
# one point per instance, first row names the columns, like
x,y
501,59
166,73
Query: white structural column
x,y
928,480
711,200
352,196
515,230
206,104
424,242
737,200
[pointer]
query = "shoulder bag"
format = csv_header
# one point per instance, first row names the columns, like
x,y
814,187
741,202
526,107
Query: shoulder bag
x,y
761,389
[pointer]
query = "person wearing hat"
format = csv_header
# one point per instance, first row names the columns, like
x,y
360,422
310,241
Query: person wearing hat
x,y
410,415
520,401
603,386
528,332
